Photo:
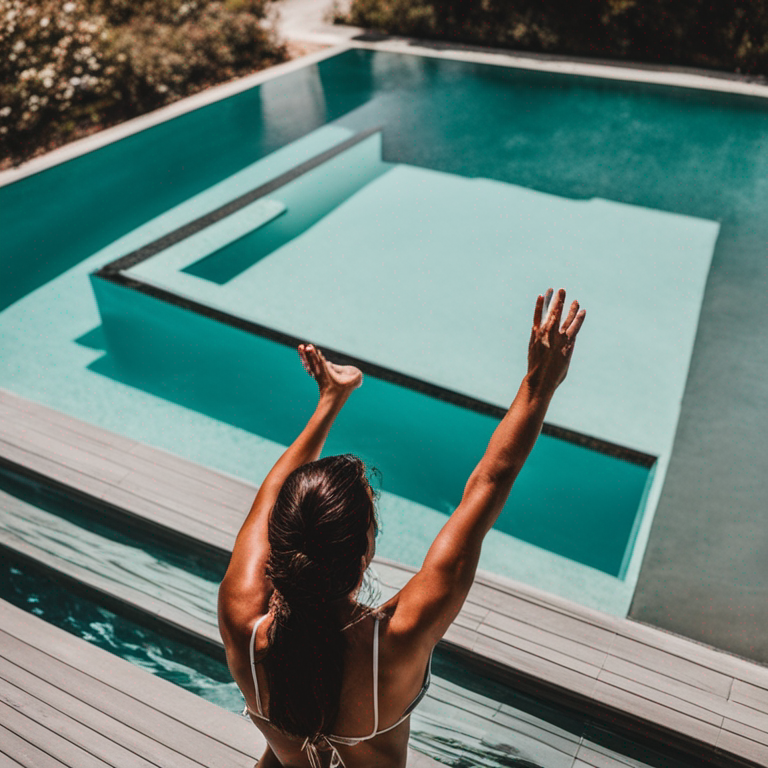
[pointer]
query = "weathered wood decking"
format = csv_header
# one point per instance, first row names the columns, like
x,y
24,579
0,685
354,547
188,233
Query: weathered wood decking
x,y
64,702
711,704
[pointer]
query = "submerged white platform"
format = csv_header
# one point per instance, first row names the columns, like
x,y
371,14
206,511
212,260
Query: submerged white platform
x,y
435,275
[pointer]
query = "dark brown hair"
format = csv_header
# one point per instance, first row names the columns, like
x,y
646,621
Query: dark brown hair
x,y
318,537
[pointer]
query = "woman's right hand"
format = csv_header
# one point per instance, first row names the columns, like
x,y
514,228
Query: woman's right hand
x,y
332,380
551,345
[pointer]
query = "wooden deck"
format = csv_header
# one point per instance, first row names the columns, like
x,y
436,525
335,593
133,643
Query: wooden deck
x,y
64,702
712,705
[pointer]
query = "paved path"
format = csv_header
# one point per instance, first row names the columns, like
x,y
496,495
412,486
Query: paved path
x,y
309,21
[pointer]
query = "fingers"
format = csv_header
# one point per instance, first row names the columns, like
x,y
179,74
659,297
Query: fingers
x,y
571,315
550,314
312,359
303,358
547,303
556,311
576,323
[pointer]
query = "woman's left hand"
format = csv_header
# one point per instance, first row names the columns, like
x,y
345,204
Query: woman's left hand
x,y
331,379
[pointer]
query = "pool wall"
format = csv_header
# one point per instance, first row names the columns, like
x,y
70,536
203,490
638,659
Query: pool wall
x,y
425,447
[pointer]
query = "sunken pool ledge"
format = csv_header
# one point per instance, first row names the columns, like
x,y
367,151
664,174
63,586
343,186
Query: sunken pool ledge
x,y
712,705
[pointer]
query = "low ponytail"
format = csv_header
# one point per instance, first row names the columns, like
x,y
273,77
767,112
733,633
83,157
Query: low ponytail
x,y
318,536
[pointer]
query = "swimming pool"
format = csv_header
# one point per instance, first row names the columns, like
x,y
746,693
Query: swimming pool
x,y
550,147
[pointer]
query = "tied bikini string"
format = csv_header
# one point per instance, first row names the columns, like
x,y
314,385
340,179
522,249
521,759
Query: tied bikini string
x,y
314,755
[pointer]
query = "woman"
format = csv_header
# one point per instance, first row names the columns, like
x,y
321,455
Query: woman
x,y
327,681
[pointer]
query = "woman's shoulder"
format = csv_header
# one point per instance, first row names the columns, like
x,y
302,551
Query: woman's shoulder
x,y
239,627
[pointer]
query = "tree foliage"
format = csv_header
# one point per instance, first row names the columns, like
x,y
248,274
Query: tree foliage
x,y
67,67
721,34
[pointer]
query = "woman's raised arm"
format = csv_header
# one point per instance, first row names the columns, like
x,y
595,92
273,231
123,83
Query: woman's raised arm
x,y
426,606
244,588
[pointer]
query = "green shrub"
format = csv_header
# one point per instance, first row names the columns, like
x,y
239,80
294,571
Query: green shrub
x,y
722,34
67,66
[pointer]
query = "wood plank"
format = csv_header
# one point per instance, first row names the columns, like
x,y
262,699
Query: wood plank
x,y
555,629
704,655
5,761
664,684
753,718
167,699
587,757
747,730
187,500
175,709
180,474
731,743
209,531
473,613
64,540
567,624
187,505
672,666
155,736
58,472
419,760
26,754
113,702
750,695
556,640
653,712
90,441
164,483
489,583
683,706
532,664
460,636
111,444
539,649
467,621
217,479
32,409
70,729
63,453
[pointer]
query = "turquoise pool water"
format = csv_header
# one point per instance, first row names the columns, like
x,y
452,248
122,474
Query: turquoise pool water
x,y
540,133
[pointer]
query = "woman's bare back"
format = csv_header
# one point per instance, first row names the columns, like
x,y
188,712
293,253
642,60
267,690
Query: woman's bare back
x,y
401,677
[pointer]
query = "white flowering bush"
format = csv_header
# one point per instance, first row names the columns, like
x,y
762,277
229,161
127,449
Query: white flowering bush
x,y
69,68
50,54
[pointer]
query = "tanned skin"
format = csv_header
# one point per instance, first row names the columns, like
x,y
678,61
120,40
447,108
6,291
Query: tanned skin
x,y
417,617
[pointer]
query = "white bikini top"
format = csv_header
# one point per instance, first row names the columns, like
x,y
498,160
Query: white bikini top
x,y
314,757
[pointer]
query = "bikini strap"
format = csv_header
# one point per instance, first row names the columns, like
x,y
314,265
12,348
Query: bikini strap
x,y
253,665
375,677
